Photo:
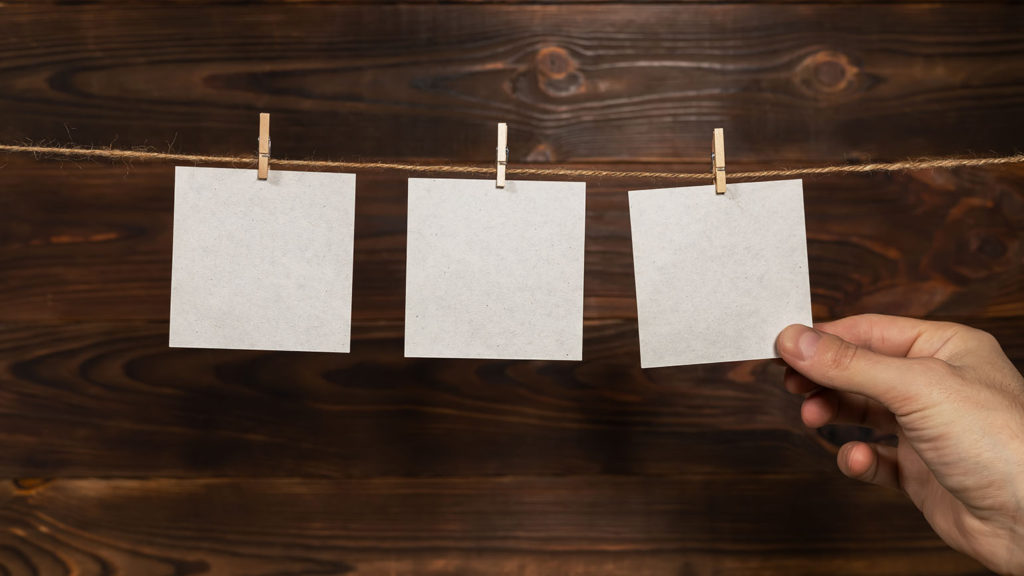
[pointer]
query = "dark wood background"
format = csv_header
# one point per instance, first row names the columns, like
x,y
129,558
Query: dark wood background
x,y
124,456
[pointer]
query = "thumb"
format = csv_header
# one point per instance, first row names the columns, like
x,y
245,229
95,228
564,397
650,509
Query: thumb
x,y
835,363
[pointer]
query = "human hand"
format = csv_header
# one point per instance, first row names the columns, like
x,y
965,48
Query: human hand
x,y
955,403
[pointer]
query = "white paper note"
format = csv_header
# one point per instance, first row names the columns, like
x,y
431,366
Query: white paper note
x,y
718,277
262,264
495,273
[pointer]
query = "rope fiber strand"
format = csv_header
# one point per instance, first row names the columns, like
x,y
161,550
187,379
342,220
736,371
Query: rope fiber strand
x,y
115,154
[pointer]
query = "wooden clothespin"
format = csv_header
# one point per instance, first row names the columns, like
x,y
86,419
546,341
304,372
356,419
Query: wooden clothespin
x,y
502,153
263,165
718,160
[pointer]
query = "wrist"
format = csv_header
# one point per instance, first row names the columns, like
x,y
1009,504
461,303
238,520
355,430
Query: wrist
x,y
1015,563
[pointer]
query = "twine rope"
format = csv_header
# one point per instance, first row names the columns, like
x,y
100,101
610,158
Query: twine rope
x,y
116,154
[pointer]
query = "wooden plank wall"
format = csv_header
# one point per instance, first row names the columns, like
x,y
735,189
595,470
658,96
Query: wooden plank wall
x,y
123,456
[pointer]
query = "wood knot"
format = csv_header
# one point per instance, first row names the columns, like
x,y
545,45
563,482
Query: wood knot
x,y
827,73
542,152
30,484
978,240
557,72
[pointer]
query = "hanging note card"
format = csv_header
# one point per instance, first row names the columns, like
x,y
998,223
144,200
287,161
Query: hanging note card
x,y
262,264
495,272
718,277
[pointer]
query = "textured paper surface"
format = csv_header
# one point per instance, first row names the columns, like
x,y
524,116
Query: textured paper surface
x,y
262,264
495,273
718,277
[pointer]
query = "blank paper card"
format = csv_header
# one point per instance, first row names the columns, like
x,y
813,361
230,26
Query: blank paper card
x,y
495,272
718,276
262,264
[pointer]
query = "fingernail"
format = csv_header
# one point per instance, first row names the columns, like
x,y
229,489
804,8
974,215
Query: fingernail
x,y
807,343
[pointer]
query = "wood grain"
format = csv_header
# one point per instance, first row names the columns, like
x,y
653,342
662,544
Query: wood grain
x,y
94,399
791,83
173,461
91,241
527,3
98,399
592,524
